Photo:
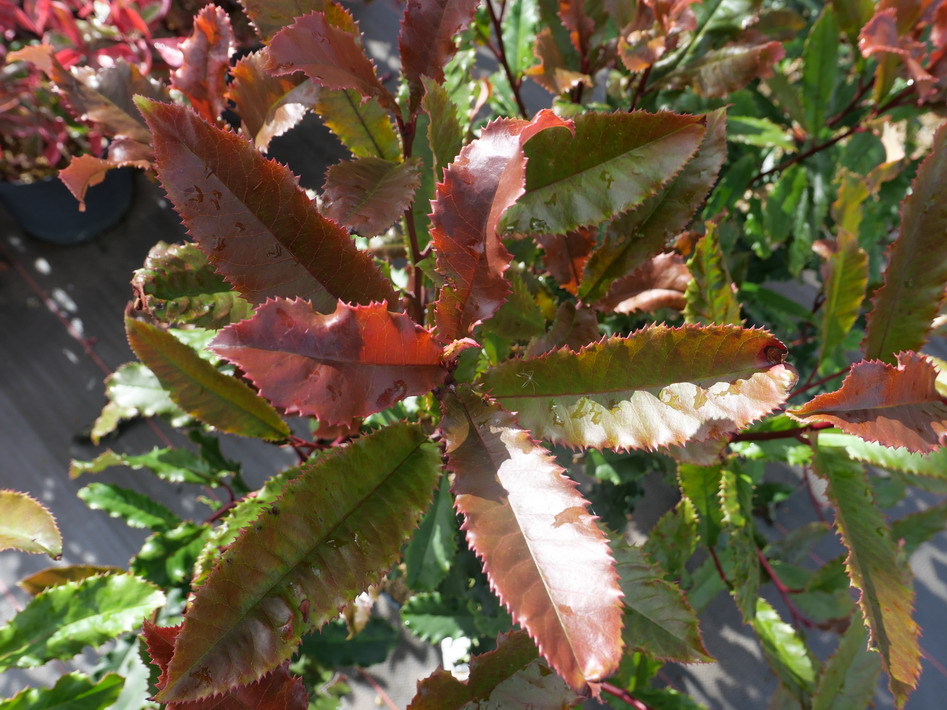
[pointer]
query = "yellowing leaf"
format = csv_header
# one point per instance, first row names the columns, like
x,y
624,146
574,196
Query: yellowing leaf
x,y
845,276
711,296
893,406
657,387
26,525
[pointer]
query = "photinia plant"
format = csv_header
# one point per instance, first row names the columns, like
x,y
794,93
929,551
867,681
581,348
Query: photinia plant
x,y
492,316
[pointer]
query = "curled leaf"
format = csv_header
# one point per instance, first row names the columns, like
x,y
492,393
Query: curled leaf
x,y
658,283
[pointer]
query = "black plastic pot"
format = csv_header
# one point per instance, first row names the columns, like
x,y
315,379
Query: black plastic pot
x,y
47,210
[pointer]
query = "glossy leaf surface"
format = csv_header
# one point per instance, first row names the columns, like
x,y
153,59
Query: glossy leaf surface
x,y
63,620
134,391
612,163
444,133
257,227
328,537
54,576
352,363
202,77
891,405
659,386
368,194
638,235
178,285
362,125
899,459
659,283
887,599
711,295
73,690
846,277
431,551
784,651
658,618
198,388
136,509
509,676
27,525
906,304
478,188
329,55
277,690
545,557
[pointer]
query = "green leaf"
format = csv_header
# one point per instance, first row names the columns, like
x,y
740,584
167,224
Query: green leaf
x,y
63,620
785,652
900,459
612,163
845,277
673,539
178,285
701,486
509,677
656,387
754,130
444,134
73,691
361,124
134,391
136,509
743,571
171,465
328,537
848,679
873,565
167,558
28,526
782,204
54,576
332,647
906,304
519,34
431,551
635,237
433,617
711,297
912,530
198,388
820,71
658,619
519,318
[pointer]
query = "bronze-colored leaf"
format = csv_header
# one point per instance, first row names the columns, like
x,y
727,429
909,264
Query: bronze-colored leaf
x,y
352,363
368,194
573,328
722,71
658,283
891,405
202,77
551,73
545,557
566,255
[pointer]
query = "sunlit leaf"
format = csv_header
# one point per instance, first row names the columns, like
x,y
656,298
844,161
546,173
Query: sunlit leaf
x,y
478,188
658,619
134,391
934,465
178,285
873,565
270,16
510,676
328,537
906,304
613,163
444,133
54,576
277,690
268,105
329,55
711,295
566,255
820,70
845,276
202,77
27,525
355,362
784,651
85,171
73,690
252,236
166,558
658,283
172,465
848,679
368,194
635,237
701,486
552,73
63,620
431,551
519,31
545,557
673,539
136,509
363,126
426,41
198,388
725,70
897,406
658,386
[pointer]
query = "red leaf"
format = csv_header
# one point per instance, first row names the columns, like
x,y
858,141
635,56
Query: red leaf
x,y
329,55
268,105
203,74
368,194
84,171
487,177
545,557
352,363
258,228
551,73
880,36
580,25
893,406
270,16
722,71
573,328
277,690
658,283
566,255
427,36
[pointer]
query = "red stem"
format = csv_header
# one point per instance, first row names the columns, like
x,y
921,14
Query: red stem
x,y
713,556
784,592
639,90
817,148
812,499
811,385
624,696
784,434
